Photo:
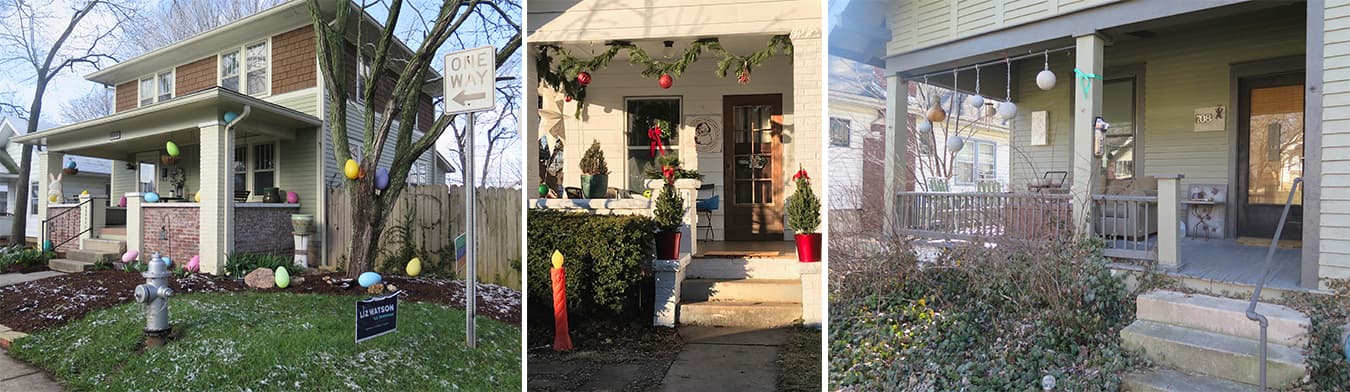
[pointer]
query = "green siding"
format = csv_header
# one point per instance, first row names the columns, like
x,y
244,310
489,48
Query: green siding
x,y
298,165
1334,252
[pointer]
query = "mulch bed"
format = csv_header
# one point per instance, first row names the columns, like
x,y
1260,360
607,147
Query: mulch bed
x,y
23,269
45,303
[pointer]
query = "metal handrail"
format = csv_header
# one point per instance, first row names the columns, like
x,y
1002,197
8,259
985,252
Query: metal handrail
x,y
46,235
1256,294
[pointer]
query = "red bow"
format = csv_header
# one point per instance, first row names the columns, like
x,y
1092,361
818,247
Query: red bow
x,y
655,135
801,173
669,173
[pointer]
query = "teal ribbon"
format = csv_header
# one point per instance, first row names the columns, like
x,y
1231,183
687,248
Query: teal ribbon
x,y
1084,80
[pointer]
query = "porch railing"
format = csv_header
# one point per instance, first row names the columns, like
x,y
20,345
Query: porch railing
x,y
1127,225
984,216
47,231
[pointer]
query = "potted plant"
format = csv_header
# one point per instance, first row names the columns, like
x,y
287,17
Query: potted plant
x,y
669,217
594,172
803,213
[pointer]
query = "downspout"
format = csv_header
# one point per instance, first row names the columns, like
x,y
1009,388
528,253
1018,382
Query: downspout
x,y
228,197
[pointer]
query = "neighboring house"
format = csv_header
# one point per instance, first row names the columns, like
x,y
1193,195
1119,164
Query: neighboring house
x,y
92,175
1215,109
266,63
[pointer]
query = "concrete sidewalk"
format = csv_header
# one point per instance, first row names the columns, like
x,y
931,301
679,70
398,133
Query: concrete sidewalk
x,y
726,359
12,279
18,376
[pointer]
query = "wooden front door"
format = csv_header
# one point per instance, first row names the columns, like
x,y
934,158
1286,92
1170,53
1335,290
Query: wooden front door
x,y
1270,154
753,166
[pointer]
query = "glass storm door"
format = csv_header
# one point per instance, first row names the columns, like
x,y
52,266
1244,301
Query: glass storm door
x,y
753,166
1270,154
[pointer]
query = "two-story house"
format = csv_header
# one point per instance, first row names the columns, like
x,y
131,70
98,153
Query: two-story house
x,y
262,73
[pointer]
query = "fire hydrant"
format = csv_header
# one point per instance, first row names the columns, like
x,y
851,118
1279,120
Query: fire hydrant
x,y
154,294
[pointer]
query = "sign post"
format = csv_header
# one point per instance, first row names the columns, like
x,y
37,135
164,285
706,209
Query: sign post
x,y
470,87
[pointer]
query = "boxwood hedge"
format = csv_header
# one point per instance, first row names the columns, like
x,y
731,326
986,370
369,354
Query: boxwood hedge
x,y
607,263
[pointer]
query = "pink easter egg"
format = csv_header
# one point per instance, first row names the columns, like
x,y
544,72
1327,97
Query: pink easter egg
x,y
122,202
194,264
130,256
292,197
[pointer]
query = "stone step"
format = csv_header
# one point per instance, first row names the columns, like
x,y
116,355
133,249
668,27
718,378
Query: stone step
x,y
742,268
776,290
93,256
115,237
740,313
1212,354
1168,380
68,265
103,245
1223,315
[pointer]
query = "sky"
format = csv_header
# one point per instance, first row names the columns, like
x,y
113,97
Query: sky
x,y
17,87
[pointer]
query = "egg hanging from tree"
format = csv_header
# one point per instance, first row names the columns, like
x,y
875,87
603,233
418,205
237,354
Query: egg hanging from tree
x,y
351,169
381,178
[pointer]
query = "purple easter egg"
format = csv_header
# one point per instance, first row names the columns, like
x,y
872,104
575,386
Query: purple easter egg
x,y
122,202
194,264
292,197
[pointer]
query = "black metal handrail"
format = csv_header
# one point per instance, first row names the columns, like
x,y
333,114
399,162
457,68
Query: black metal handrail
x,y
46,235
1256,294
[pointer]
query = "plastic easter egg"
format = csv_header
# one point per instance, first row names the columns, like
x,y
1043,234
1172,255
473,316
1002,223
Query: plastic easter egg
x,y
1007,110
230,116
351,169
168,263
195,264
122,202
171,148
48,246
1045,79
366,279
151,197
292,197
197,197
382,178
975,101
414,267
283,277
130,256
84,192
52,198
71,164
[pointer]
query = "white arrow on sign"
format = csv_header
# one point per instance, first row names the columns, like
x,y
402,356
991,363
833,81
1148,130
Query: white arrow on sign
x,y
471,80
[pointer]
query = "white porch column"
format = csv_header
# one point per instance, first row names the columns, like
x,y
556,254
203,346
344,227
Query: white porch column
x,y
1088,106
92,215
531,133
48,166
807,100
1169,217
897,145
135,229
217,212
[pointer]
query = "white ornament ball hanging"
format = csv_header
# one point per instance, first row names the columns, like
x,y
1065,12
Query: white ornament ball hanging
x,y
975,101
924,126
1007,110
955,143
1045,80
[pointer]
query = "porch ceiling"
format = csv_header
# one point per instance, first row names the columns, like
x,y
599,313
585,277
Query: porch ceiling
x,y
743,43
147,128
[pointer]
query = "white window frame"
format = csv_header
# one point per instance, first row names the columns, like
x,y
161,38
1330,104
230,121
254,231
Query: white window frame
x,y
241,54
362,82
672,148
154,87
974,146
250,163
33,200
847,125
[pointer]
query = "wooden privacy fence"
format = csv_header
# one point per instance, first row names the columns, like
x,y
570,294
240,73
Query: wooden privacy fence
x,y
424,223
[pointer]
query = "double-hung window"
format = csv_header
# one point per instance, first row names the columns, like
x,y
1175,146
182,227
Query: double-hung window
x,y
156,88
245,69
255,167
642,112
976,161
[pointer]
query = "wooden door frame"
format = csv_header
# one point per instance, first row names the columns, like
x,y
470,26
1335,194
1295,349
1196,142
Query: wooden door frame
x,y
729,160
1242,140
1245,70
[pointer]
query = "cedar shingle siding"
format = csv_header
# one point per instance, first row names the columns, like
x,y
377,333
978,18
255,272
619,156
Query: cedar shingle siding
x,y
426,113
294,60
195,76
126,96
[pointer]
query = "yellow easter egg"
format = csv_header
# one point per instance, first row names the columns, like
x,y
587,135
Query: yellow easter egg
x,y
414,267
84,193
351,169
197,197
51,198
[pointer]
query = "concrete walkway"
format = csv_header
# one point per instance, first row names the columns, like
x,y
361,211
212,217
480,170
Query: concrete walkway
x,y
726,359
12,279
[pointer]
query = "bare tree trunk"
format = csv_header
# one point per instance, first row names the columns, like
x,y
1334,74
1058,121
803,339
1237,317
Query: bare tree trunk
x,y
19,227
367,225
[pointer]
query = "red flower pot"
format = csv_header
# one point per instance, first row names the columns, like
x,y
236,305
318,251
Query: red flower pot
x,y
668,245
808,247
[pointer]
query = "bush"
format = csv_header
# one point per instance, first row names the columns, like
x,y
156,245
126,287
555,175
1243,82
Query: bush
x,y
593,162
1328,369
803,207
607,257
669,209
240,264
23,257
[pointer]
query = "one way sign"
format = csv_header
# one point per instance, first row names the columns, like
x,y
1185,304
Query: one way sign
x,y
470,80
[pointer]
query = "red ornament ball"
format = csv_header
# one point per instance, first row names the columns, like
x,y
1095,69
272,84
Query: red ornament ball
x,y
666,81
568,98
584,78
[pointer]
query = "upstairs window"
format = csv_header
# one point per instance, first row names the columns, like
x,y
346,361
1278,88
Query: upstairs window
x,y
362,69
156,88
245,69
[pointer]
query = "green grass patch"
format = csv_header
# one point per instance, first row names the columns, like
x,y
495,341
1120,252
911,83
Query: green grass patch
x,y
277,341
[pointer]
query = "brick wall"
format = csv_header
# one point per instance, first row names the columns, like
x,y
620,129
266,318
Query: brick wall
x,y
264,229
195,76
294,60
126,96
65,226
183,229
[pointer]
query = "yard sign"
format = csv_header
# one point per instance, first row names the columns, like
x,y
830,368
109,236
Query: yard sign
x,y
376,316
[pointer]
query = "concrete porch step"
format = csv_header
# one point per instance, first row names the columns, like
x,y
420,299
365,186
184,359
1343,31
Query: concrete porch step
x,y
103,245
68,265
1213,354
1223,315
777,290
742,268
1168,380
93,256
756,314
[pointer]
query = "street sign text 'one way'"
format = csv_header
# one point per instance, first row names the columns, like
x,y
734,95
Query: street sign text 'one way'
x,y
471,80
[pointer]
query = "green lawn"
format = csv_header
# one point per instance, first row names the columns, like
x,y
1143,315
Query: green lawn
x,y
277,342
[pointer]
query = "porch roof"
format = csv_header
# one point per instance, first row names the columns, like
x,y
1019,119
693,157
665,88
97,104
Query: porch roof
x,y
147,128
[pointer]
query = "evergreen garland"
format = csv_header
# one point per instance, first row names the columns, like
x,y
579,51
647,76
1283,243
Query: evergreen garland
x,y
563,77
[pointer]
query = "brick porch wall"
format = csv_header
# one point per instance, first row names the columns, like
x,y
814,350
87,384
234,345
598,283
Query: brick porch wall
x,y
65,226
264,229
183,227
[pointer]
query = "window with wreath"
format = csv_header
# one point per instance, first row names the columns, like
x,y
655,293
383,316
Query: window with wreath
x,y
642,114
975,162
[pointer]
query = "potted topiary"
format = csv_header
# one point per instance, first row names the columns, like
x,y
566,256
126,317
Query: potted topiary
x,y
594,173
669,217
803,213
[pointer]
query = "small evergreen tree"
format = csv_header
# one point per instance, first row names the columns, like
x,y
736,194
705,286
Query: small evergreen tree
x,y
669,209
593,162
803,207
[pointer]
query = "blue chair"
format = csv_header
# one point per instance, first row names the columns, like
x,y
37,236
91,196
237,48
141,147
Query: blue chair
x,y
705,208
